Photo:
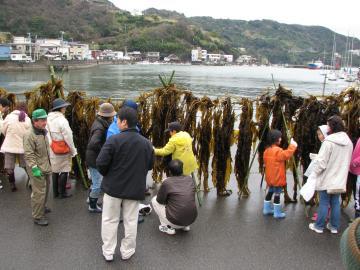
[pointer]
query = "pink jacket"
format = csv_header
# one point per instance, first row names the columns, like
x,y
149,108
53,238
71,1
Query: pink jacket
x,y
355,159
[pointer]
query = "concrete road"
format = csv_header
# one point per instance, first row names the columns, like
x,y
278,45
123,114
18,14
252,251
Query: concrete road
x,y
230,233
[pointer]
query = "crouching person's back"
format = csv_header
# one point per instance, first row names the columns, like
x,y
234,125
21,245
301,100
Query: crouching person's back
x,y
175,202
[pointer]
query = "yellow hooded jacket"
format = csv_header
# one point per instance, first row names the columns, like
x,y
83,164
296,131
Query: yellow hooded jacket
x,y
180,146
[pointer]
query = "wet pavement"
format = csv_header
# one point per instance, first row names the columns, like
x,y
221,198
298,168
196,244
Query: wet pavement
x,y
230,233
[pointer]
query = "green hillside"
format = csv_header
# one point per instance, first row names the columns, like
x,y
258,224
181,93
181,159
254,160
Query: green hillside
x,y
100,22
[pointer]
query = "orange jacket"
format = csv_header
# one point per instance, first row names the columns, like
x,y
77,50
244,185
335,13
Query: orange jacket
x,y
274,160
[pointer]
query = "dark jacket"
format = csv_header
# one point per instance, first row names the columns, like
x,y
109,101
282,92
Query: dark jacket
x,y
97,139
124,161
178,194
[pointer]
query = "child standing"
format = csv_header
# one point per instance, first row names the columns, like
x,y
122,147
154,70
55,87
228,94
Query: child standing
x,y
355,169
275,171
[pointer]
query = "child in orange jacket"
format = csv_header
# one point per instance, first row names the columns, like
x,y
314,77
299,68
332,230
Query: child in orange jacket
x,y
275,171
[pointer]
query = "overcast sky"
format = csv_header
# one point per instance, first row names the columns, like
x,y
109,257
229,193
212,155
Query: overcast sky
x,y
340,16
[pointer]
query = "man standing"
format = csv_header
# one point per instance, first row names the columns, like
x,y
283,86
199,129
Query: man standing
x,y
124,161
37,158
180,147
175,202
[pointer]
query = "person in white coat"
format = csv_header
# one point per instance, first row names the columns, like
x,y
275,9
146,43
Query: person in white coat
x,y
14,128
59,131
330,170
4,107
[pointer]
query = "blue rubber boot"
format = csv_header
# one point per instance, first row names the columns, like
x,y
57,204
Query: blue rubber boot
x,y
267,208
277,211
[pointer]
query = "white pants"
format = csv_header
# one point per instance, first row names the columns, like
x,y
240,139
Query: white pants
x,y
110,222
160,210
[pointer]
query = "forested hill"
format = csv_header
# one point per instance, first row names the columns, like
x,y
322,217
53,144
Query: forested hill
x,y
100,22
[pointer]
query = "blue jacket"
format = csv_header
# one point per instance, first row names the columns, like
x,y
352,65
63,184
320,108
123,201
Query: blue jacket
x,y
114,129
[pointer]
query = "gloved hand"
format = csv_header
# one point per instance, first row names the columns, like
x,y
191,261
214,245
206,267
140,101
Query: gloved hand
x,y
36,172
293,142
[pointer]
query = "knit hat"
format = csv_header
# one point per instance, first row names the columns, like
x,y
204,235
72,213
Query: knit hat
x,y
130,103
324,130
39,114
106,110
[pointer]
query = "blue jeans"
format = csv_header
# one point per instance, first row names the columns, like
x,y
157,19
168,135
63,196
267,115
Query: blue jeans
x,y
276,190
96,179
325,200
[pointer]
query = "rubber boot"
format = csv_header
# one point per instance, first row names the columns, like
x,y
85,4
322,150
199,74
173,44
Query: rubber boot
x,y
55,178
277,211
93,207
11,177
267,208
62,186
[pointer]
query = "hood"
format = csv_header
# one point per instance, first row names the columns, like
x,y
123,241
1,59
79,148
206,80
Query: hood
x,y
54,115
324,130
340,138
182,138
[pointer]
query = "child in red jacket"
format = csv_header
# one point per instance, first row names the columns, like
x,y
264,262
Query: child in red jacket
x,y
275,171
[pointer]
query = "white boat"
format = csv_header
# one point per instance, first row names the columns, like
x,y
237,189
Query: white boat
x,y
350,78
332,76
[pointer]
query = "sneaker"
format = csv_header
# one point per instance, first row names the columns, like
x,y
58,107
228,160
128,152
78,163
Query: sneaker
x,y
108,258
331,228
95,210
88,201
41,221
167,229
1,186
186,229
312,227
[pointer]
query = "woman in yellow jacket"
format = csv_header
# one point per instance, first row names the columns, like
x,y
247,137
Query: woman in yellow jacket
x,y
180,147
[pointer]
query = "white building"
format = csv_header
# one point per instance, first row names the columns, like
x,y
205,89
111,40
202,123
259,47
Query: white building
x,y
118,55
79,51
229,58
204,55
195,55
214,57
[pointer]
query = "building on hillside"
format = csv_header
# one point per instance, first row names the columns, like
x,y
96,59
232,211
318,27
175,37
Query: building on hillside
x,y
214,57
134,56
229,58
246,60
118,55
5,52
22,49
172,58
48,47
199,55
79,51
152,56
96,54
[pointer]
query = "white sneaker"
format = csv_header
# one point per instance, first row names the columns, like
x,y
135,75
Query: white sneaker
x,y
108,258
167,229
186,228
331,228
313,228
1,186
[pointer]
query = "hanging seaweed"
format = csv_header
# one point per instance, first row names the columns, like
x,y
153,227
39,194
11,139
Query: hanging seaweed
x,y
224,118
263,115
245,139
204,140
165,109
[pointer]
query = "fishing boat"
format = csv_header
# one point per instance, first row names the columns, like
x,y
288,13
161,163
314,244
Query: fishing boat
x,y
316,65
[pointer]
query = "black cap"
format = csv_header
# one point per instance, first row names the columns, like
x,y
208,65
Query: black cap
x,y
174,126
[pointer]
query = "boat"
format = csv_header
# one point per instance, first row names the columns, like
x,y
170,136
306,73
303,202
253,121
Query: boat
x,y
332,76
316,65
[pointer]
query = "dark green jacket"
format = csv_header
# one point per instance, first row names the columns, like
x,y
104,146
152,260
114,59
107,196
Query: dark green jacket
x,y
36,150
